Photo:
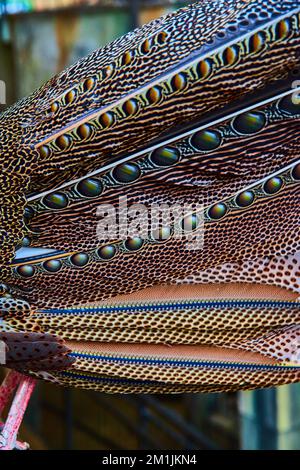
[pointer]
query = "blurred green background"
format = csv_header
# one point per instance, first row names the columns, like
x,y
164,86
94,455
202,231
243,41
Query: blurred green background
x,y
39,38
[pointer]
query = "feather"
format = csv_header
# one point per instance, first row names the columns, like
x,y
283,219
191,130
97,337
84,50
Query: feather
x,y
197,109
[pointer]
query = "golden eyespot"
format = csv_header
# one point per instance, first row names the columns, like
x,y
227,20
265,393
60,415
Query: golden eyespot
x,y
70,96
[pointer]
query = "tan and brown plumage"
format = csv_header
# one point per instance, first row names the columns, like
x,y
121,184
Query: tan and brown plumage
x,y
196,108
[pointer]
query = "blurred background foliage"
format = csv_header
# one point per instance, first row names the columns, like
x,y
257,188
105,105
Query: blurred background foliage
x,y
39,38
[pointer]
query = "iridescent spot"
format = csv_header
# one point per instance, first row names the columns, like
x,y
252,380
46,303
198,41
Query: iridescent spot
x,y
130,107
230,55
145,47
26,241
107,252
165,156
296,172
217,211
126,173
63,142
55,201
162,37
154,95
206,140
161,234
54,107
80,259
27,270
134,243
89,84
89,187
44,151
127,58
282,29
84,131
249,123
204,68
179,82
53,266
28,213
190,222
108,70
290,104
106,120
244,199
256,42
273,185
70,97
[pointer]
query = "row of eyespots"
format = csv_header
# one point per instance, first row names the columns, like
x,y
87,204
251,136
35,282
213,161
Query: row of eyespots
x,y
217,211
52,266
92,187
177,83
246,198
122,174
246,123
80,260
204,141
189,223
257,42
86,86
104,253
148,44
83,133
232,54
145,48
180,81
86,131
89,83
243,200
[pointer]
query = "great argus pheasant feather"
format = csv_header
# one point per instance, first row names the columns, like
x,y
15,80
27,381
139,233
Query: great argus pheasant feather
x,y
197,110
